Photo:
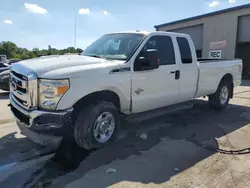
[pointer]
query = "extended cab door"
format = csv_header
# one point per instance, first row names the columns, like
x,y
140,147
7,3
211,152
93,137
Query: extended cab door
x,y
188,67
156,88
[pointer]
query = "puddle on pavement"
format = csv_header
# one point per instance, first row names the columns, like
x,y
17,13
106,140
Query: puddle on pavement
x,y
66,159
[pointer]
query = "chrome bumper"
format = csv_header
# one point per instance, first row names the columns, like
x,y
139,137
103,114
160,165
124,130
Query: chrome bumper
x,y
38,119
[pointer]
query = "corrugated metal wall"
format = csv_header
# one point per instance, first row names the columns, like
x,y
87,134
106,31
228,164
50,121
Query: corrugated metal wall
x,y
217,28
196,33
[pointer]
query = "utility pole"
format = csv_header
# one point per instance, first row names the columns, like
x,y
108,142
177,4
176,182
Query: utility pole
x,y
75,34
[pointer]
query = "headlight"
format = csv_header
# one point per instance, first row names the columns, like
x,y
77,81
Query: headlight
x,y
51,91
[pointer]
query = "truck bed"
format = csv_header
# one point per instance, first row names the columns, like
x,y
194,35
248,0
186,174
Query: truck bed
x,y
211,71
207,60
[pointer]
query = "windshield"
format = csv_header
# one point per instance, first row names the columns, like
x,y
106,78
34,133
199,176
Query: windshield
x,y
114,46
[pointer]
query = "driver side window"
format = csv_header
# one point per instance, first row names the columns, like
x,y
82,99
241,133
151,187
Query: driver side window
x,y
164,47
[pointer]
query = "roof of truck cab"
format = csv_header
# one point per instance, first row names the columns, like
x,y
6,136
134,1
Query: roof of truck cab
x,y
169,33
132,32
147,33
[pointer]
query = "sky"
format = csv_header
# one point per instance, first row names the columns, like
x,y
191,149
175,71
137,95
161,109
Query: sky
x,y
39,23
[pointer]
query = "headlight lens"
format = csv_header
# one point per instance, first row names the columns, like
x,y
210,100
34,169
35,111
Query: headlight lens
x,y
51,91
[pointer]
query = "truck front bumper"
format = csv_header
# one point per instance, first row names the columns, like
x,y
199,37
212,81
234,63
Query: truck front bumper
x,y
43,127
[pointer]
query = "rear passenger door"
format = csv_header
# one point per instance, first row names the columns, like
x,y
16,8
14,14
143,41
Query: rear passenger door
x,y
160,87
188,69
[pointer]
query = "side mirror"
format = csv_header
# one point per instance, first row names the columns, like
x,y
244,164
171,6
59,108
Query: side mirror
x,y
147,61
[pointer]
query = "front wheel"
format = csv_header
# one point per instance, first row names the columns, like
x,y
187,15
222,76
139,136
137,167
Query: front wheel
x,y
221,97
96,125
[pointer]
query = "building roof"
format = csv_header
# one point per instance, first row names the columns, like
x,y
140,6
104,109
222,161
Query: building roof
x,y
205,15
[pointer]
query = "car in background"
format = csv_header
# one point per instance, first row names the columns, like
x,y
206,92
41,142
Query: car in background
x,y
11,61
5,80
3,58
4,67
5,73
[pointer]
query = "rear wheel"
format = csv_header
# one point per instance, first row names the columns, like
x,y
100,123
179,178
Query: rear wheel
x,y
221,97
96,125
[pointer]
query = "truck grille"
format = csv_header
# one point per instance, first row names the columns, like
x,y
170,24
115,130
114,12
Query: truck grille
x,y
19,88
23,89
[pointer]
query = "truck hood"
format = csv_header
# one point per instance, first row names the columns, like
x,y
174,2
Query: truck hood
x,y
43,65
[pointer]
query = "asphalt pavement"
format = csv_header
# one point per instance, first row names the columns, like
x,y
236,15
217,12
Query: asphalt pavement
x,y
180,149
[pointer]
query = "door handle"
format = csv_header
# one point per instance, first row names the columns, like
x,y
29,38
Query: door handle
x,y
177,74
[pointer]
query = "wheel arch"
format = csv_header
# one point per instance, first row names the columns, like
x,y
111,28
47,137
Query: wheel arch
x,y
92,98
228,78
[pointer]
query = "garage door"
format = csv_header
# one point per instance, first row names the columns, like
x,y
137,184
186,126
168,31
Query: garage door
x,y
243,50
243,44
244,29
196,33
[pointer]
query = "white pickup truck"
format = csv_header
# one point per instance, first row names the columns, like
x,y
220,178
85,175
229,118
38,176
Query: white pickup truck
x,y
82,96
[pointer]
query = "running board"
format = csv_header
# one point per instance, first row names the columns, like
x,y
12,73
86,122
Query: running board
x,y
143,116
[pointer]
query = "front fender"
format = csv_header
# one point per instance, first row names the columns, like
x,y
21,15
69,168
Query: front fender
x,y
78,91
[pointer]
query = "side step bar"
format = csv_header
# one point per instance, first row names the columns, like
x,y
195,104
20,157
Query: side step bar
x,y
136,118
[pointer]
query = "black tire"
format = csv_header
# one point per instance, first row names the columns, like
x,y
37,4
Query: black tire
x,y
215,99
85,121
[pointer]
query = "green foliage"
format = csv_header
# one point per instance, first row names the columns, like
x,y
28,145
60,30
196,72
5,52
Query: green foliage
x,y
12,51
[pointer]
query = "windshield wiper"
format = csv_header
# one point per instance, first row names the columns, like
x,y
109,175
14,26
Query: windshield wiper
x,y
97,56
105,57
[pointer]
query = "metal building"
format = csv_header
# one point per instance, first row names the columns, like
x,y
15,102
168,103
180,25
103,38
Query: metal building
x,y
220,34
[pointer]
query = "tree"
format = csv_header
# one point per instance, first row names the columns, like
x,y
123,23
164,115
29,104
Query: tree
x,y
8,48
79,50
36,51
11,50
